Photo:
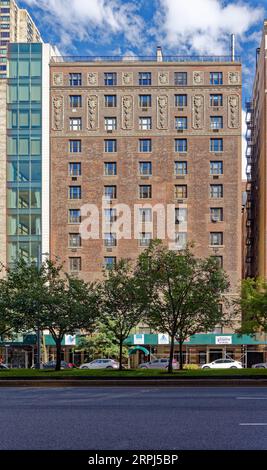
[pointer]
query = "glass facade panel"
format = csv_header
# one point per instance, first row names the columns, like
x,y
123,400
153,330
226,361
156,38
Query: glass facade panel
x,y
24,149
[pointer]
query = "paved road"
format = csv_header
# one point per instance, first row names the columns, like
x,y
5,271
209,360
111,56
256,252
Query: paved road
x,y
133,418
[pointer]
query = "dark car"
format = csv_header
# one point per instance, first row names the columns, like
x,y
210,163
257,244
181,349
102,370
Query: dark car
x,y
52,365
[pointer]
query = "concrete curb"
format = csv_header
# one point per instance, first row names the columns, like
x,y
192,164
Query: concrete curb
x,y
134,383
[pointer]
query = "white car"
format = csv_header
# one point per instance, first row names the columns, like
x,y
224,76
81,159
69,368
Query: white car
x,y
101,364
223,364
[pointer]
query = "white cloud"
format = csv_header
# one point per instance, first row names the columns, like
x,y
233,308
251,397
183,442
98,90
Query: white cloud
x,y
89,20
204,26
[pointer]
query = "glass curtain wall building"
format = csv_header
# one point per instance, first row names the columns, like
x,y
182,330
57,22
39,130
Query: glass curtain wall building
x,y
28,151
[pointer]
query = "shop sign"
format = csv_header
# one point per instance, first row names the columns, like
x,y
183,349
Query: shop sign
x,y
163,338
223,340
139,338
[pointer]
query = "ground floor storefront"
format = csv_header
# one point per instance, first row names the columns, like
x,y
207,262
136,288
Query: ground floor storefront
x,y
199,349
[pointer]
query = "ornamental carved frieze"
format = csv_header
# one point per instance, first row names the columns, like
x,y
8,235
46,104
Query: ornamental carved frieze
x,y
233,112
198,112
58,78
233,78
127,112
198,78
57,113
127,78
163,78
162,112
92,79
93,109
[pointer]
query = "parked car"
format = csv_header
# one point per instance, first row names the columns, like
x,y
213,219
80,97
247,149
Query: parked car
x,y
261,365
52,365
4,367
223,364
101,364
162,363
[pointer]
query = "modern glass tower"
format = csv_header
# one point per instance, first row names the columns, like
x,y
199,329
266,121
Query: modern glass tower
x,y
28,151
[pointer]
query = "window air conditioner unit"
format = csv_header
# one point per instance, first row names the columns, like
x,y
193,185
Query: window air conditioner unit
x,y
215,130
215,177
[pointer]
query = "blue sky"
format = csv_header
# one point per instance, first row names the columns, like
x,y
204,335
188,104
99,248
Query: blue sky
x,y
136,27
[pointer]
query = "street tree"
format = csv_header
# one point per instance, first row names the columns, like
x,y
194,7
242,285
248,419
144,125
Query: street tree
x,y
253,306
121,304
48,298
182,293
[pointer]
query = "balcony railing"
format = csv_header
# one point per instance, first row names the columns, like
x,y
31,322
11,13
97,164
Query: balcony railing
x,y
131,59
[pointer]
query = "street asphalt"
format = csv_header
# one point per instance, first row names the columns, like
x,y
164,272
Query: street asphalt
x,y
133,418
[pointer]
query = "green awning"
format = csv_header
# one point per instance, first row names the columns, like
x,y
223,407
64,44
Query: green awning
x,y
138,348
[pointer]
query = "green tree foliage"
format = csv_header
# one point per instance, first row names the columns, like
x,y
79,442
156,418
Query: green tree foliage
x,y
253,305
182,294
121,303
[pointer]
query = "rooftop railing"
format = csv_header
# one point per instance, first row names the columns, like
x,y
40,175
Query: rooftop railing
x,y
132,59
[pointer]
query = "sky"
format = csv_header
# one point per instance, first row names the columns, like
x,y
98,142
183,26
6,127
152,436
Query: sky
x,y
137,27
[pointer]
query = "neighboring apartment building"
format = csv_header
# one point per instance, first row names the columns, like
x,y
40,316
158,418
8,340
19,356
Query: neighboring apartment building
x,y
16,25
256,252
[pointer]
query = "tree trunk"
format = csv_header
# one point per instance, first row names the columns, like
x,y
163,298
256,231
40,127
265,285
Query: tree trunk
x,y
120,359
180,354
58,360
170,369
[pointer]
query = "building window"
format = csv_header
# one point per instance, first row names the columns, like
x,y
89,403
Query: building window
x,y
216,100
216,168
75,79
180,240
75,146
109,262
216,214
75,101
145,145
110,79
145,123
219,261
110,101
110,168
216,145
145,215
216,78
216,122
110,215
145,101
75,169
216,238
110,123
181,191
145,168
180,101
75,124
110,146
75,264
75,240
145,238
180,78
75,192
110,192
144,78
180,145
110,239
74,216
145,191
180,168
180,215
181,122
216,191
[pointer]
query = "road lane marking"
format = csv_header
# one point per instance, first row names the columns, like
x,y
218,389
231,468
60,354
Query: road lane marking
x,y
251,398
252,424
